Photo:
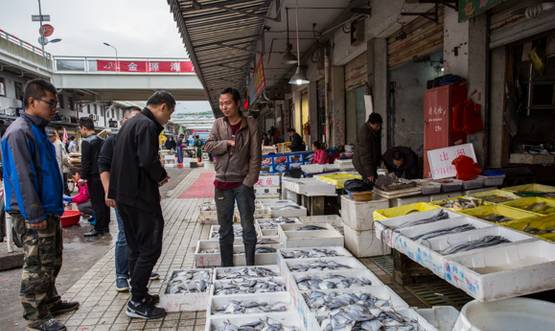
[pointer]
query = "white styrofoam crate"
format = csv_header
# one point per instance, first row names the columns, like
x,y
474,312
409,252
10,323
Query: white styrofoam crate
x,y
339,251
408,200
414,231
238,240
360,274
218,271
502,272
184,301
204,260
364,243
234,283
333,220
444,196
494,180
385,229
268,181
290,236
344,164
308,186
268,227
473,183
288,319
266,192
350,263
288,211
430,187
358,214
222,301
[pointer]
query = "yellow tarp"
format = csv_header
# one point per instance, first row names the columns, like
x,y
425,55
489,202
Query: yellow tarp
x,y
541,227
496,196
489,212
540,206
383,214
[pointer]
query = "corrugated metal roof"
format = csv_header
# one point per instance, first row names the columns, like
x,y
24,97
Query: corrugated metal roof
x,y
220,40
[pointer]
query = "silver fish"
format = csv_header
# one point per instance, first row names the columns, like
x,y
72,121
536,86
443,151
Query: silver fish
x,y
189,281
249,286
486,241
263,250
267,324
443,232
311,228
309,253
247,272
442,215
250,307
331,282
320,265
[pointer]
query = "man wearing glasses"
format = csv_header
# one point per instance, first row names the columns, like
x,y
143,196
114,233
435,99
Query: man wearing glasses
x,y
33,188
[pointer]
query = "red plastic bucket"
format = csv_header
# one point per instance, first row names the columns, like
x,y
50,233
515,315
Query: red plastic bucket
x,y
70,217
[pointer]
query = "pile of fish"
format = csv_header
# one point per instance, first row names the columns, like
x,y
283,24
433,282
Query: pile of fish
x,y
237,232
331,282
363,317
496,198
249,286
323,302
535,194
309,253
486,241
189,281
264,250
540,207
441,215
259,250
266,325
496,218
443,232
320,265
461,203
311,228
272,223
267,241
210,250
247,272
536,231
250,307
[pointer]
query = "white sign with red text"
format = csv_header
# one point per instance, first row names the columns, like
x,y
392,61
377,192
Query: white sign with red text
x,y
440,159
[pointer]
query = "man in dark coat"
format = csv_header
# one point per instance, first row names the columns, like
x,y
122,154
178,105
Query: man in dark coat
x,y
297,143
368,148
402,161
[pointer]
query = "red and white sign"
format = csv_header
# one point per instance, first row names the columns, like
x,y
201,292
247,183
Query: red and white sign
x,y
145,66
440,159
267,181
46,30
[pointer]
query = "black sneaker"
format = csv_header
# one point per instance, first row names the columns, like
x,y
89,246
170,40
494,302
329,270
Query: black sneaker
x,y
144,310
62,307
152,299
154,276
49,325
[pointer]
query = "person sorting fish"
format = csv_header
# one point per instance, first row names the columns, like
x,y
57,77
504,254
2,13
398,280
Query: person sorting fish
x,y
402,161
368,149
235,143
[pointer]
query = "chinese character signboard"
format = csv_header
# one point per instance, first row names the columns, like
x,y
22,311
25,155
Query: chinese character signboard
x,y
146,66
440,159
472,8
259,79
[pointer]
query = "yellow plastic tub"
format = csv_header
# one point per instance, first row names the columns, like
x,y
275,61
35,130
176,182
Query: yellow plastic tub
x,y
541,206
541,227
496,196
522,190
383,214
338,179
444,203
505,214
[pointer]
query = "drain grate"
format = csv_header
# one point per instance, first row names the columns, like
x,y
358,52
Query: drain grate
x,y
439,293
385,263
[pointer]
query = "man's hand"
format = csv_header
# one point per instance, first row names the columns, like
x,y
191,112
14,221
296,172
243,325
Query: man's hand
x,y
371,179
37,226
231,143
109,202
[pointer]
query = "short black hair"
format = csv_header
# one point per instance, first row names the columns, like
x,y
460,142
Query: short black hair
x,y
235,94
397,155
161,97
86,122
36,89
375,118
317,144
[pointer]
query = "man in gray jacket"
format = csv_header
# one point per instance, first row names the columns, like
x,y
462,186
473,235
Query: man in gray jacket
x,y
234,142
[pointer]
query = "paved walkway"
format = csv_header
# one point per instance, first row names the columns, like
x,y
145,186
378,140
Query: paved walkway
x,y
102,308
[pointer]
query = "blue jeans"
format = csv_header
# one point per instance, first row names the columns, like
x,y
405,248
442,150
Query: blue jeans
x,y
225,203
122,254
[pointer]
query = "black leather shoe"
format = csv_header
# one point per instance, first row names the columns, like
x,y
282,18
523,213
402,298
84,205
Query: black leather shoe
x,y
62,307
49,325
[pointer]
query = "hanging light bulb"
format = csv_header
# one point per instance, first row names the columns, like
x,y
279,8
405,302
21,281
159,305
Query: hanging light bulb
x,y
298,78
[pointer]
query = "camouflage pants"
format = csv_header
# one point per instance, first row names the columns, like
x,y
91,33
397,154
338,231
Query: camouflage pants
x,y
41,264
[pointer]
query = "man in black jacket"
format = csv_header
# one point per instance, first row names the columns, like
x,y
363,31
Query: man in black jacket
x,y
368,149
297,143
135,177
402,161
90,148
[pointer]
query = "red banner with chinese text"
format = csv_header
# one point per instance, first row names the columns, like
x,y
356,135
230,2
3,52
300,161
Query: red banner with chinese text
x,y
145,66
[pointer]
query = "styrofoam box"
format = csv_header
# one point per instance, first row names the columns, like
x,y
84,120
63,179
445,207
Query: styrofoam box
x,y
308,186
290,236
360,274
268,181
384,229
344,164
267,232
340,251
445,196
221,301
358,214
430,187
350,263
204,260
494,180
408,200
496,273
333,220
184,301
217,283
364,243
237,240
288,319
218,271
312,168
443,318
296,211
267,192
208,217
473,183
455,185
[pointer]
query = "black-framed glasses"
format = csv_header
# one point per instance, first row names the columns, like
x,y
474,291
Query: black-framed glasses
x,y
52,103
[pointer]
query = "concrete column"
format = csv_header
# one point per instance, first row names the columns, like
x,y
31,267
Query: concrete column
x,y
313,113
338,105
497,107
379,83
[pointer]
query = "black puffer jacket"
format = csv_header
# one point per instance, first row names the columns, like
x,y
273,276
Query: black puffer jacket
x,y
368,151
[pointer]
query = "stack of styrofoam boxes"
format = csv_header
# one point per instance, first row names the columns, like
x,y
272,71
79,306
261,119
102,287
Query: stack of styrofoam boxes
x,y
293,235
217,319
237,231
359,226
268,187
207,254
521,266
334,220
260,211
268,227
359,281
284,208
185,301
344,164
208,213
169,161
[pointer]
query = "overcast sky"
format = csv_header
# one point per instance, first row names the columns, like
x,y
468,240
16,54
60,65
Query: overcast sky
x,y
138,28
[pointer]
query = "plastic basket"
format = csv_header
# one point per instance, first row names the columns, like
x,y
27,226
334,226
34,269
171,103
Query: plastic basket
x,y
441,203
531,225
496,196
533,205
485,212
383,214
529,189
338,179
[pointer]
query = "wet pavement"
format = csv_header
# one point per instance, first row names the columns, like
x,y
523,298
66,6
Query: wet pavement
x,y
80,254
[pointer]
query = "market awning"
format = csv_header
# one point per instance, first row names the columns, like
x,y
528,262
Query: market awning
x,y
221,38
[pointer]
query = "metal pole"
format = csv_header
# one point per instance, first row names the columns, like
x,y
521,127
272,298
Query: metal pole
x,y
40,21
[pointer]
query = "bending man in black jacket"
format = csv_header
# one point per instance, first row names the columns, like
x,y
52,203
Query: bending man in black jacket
x,y
90,148
135,177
